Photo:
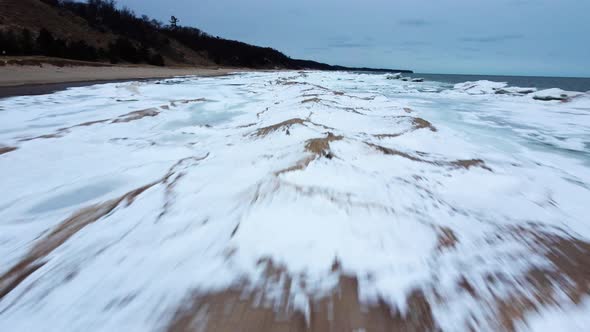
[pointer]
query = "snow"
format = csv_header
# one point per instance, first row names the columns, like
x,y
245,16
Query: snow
x,y
232,203
480,87
395,76
554,94
485,87
571,318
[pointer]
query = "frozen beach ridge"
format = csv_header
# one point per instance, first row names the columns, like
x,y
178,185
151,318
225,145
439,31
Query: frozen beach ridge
x,y
295,201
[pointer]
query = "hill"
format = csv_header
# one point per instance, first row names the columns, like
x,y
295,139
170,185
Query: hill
x,y
99,31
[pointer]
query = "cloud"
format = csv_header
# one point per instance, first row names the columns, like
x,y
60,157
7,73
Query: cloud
x,y
470,49
415,22
316,49
414,43
350,45
347,42
492,39
296,12
411,46
343,42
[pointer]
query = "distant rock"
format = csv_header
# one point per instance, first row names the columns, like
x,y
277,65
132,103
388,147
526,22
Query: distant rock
x,y
554,95
405,79
515,91
485,87
489,87
417,79
482,87
551,98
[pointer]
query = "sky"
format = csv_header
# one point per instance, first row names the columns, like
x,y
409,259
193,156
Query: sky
x,y
494,37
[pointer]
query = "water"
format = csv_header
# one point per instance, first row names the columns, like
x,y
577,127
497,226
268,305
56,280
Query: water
x,y
565,83
504,122
76,196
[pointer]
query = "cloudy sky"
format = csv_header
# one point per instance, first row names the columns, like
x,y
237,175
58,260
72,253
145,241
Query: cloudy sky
x,y
519,37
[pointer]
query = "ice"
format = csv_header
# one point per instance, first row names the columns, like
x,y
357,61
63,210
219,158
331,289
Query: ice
x,y
555,319
201,179
395,76
480,87
554,94
75,196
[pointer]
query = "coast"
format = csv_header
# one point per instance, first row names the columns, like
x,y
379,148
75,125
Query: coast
x,y
38,75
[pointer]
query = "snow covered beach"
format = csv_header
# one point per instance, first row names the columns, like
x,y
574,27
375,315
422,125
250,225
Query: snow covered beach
x,y
295,200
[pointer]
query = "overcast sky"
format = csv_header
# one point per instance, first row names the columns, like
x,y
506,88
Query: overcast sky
x,y
519,37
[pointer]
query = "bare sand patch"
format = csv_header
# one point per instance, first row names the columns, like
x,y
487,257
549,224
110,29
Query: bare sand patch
x,y
319,147
417,123
6,149
569,273
446,239
136,115
281,125
20,72
237,309
461,163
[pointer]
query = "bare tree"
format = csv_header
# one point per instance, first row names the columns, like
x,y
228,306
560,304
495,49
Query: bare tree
x,y
174,22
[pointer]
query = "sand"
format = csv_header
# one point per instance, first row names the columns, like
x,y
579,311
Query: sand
x,y
29,78
22,75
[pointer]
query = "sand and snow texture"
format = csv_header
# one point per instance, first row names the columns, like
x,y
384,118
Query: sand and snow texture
x,y
294,201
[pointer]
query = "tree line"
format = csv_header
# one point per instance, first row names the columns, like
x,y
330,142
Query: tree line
x,y
144,40
140,40
25,42
150,33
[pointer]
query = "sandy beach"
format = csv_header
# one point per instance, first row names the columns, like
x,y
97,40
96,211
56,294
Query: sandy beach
x,y
30,76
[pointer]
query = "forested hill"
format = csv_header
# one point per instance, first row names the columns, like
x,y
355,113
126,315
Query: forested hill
x,y
99,31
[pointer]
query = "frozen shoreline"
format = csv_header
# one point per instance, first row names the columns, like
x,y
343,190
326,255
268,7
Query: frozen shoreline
x,y
143,205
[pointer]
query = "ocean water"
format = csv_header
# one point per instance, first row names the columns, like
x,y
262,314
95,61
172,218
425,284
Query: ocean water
x,y
566,83
499,120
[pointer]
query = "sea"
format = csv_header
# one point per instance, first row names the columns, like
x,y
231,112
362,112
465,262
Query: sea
x,y
565,83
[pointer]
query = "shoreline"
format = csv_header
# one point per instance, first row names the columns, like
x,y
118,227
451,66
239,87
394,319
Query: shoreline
x,y
104,169
49,88
26,80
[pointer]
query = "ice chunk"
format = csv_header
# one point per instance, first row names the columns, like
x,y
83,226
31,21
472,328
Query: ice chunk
x,y
515,91
490,87
554,94
480,87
